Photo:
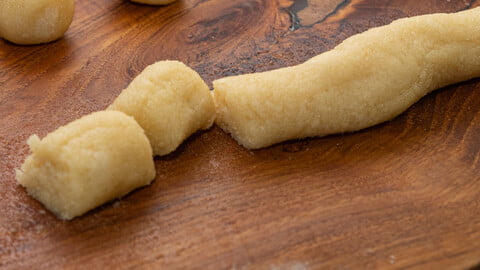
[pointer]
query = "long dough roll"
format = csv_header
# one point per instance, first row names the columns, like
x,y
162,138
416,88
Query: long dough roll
x,y
368,79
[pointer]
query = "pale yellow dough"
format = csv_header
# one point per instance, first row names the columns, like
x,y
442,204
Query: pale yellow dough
x,y
35,21
368,79
154,2
97,158
170,101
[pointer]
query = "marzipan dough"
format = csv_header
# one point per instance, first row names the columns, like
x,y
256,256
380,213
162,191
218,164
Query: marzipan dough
x,y
35,21
92,160
170,101
367,79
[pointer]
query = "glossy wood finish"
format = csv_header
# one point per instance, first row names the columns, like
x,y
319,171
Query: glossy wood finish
x,y
404,194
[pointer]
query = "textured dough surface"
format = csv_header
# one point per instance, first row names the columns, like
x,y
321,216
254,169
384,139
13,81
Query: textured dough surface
x,y
368,79
170,101
90,161
154,2
35,21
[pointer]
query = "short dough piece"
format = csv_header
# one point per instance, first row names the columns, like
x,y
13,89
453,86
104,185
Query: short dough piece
x,y
90,161
170,101
368,79
154,2
35,21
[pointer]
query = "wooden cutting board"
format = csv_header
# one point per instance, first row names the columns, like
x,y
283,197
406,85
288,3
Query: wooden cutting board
x,y
403,194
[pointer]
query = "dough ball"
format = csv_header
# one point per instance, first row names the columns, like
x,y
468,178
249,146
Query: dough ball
x,y
170,101
154,2
35,21
368,79
90,161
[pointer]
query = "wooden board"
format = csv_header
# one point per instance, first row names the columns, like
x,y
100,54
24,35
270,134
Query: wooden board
x,y
403,194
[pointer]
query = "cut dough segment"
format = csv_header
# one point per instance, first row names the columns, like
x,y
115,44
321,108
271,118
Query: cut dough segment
x,y
170,101
35,21
154,2
97,158
368,79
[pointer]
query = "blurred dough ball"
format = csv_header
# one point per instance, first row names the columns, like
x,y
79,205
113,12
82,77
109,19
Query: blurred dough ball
x,y
35,21
154,2
170,101
90,161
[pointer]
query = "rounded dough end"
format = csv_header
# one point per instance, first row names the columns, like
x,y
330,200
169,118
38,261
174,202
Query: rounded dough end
x,y
170,101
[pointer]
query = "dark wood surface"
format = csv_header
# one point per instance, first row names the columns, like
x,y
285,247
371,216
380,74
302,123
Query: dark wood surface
x,y
404,194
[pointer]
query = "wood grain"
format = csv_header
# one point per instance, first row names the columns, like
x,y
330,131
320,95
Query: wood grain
x,y
403,194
